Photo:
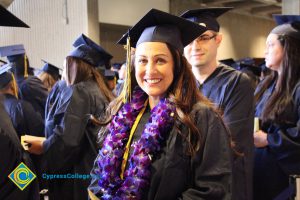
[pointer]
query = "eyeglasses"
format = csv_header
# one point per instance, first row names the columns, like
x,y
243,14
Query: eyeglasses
x,y
205,38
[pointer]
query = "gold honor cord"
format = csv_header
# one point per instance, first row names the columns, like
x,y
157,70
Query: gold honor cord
x,y
127,148
126,92
15,85
25,67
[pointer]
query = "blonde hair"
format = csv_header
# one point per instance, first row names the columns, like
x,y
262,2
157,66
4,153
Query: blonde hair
x,y
47,80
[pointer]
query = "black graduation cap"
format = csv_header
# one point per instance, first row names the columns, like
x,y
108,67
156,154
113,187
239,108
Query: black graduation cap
x,y
2,61
5,76
109,74
287,25
159,26
8,19
51,69
244,67
229,61
206,17
83,39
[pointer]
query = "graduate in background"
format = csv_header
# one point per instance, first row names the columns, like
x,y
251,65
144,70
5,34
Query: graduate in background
x,y
71,146
166,141
22,114
30,87
111,79
277,142
229,89
11,155
49,75
11,151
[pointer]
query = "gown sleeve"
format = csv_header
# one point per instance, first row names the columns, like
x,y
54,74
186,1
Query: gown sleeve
x,y
211,166
284,139
33,121
239,113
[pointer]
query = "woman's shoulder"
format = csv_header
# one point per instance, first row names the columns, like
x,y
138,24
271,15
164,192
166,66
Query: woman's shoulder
x,y
296,93
204,112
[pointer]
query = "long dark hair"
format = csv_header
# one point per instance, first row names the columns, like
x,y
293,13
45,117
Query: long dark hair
x,y
183,92
286,82
84,72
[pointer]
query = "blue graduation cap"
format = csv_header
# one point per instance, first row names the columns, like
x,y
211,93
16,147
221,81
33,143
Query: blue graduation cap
x,y
109,74
117,66
105,56
288,25
5,76
206,17
16,55
88,54
8,19
159,26
286,19
51,69
12,51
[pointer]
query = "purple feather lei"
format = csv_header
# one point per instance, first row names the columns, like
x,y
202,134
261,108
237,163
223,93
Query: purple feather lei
x,y
137,174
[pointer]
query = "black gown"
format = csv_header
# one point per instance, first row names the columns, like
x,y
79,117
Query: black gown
x,y
232,93
23,116
71,147
32,89
280,158
11,155
175,175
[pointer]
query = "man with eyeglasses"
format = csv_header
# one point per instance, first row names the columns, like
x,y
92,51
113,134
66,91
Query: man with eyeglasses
x,y
230,90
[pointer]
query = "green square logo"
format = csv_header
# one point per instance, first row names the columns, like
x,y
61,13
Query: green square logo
x,y
22,176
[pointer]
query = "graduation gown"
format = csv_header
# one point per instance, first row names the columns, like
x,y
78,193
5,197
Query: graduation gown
x,y
232,93
280,158
33,90
71,148
175,175
23,116
54,98
11,155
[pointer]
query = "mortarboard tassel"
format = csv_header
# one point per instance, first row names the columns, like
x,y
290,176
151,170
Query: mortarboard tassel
x,y
15,85
25,67
126,92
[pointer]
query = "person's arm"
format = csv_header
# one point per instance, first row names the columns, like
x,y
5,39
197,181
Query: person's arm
x,y
239,113
211,166
284,142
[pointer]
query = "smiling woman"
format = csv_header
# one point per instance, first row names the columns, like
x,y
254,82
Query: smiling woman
x,y
167,131
154,69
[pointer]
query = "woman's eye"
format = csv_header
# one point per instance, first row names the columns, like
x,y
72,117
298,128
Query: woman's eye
x,y
160,61
142,61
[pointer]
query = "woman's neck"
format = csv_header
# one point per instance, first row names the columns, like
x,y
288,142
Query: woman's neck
x,y
153,101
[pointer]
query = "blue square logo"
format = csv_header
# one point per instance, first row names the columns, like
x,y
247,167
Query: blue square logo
x,y
22,176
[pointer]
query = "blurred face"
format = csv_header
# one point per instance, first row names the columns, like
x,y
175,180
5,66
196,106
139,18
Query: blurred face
x,y
154,68
273,52
71,70
203,50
